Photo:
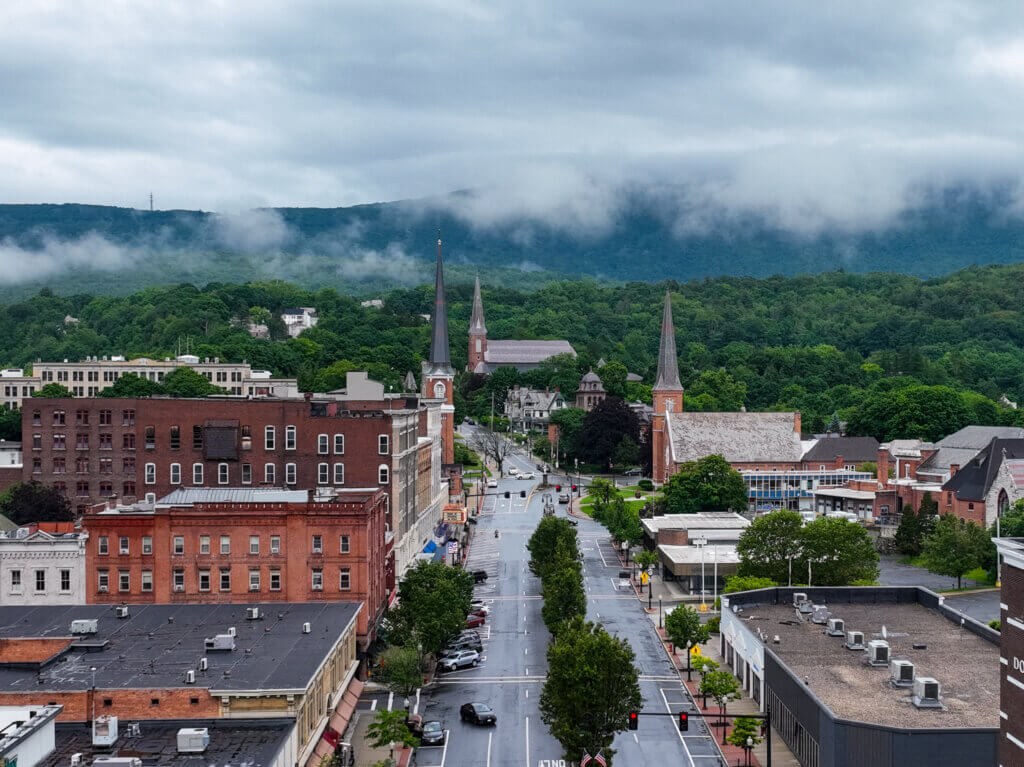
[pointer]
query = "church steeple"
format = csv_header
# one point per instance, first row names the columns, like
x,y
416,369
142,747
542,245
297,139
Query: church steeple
x,y
440,356
477,359
668,362
476,320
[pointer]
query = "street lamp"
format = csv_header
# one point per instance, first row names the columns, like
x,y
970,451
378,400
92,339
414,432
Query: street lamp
x,y
750,745
93,670
689,668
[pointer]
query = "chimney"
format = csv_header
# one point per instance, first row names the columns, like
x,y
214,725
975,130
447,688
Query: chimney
x,y
839,461
953,469
883,466
796,422
307,395
112,502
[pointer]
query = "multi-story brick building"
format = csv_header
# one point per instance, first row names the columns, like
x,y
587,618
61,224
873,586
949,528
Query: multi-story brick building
x,y
94,449
203,545
1011,636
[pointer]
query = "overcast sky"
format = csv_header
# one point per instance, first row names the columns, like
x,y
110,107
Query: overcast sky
x,y
814,112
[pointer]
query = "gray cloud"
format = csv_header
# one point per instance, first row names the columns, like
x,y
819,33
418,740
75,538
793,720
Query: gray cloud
x,y
810,114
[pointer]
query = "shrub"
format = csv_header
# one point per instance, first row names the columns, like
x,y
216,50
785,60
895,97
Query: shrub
x,y
996,624
645,484
715,624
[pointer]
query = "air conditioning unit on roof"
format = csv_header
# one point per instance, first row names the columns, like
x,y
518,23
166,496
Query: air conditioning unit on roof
x,y
835,627
121,611
854,640
84,626
878,652
252,613
225,642
819,614
927,692
799,598
901,673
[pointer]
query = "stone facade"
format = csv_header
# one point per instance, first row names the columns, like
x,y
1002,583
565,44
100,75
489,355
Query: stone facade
x,y
40,567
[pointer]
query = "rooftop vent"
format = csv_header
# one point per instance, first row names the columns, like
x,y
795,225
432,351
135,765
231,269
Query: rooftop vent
x,y
121,611
190,676
252,613
232,632
220,642
104,730
306,628
901,673
836,627
117,761
799,598
820,614
878,652
854,640
193,740
927,692
84,626
203,664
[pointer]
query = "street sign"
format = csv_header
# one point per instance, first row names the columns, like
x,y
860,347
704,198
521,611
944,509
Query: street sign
x,y
453,547
644,577
695,650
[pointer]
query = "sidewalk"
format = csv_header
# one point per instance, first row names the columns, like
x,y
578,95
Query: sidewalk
x,y
367,755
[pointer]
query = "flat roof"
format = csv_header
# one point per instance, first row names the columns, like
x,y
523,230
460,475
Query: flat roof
x,y
156,644
705,520
233,742
965,665
724,554
844,492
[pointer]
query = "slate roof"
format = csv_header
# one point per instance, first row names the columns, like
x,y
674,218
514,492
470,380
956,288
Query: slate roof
x,y
738,437
524,352
154,646
853,449
961,446
974,479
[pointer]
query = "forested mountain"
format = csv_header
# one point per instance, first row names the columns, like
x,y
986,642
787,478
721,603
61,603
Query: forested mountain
x,y
894,355
646,235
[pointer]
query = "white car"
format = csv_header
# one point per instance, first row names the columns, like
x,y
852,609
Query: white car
x,y
512,471
526,475
492,482
462,659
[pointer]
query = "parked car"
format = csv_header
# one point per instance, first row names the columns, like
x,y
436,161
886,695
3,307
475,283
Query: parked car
x,y
463,643
563,498
633,473
479,576
526,475
477,713
483,610
492,482
512,471
471,422
473,621
462,659
574,523
431,734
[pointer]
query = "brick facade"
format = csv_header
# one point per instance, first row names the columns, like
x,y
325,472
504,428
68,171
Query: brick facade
x,y
1011,694
244,552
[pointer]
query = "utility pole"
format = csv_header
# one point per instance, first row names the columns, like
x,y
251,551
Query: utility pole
x,y
492,411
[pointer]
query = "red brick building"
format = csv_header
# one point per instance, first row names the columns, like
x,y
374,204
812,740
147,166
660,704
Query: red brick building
x,y
243,551
1011,636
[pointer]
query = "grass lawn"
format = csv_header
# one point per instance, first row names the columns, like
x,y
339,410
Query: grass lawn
x,y
588,508
626,493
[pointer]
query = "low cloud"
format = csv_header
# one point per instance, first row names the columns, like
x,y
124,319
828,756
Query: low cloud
x,y
260,230
56,256
392,262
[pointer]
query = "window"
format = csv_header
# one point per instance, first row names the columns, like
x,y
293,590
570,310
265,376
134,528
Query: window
x,y
150,473
81,441
382,443
150,437
204,544
289,437
106,441
59,466
175,473
254,544
179,544
269,474
275,544
106,417
106,465
128,441
225,580
37,441
128,489
322,444
60,442
175,439
58,417
222,473
37,465
65,580
179,580
204,580
197,474
147,580
246,436
275,580
339,474
345,579
128,465
106,489
383,474
268,438
290,474
16,581
318,580
82,465
339,444
127,417
122,545
322,473
37,419
225,544
318,544
254,579
40,580
81,418
147,544
246,473
82,488
102,580
197,437
124,580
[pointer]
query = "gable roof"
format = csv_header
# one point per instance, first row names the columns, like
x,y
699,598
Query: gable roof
x,y
737,437
963,445
852,449
524,352
973,480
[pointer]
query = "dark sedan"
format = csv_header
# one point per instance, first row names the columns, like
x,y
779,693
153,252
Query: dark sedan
x,y
432,734
477,713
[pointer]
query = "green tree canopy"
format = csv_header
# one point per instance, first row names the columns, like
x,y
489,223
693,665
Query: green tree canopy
x,y
132,385
604,428
26,502
707,484
840,552
613,378
955,547
400,671
53,390
434,600
767,546
185,382
543,544
684,628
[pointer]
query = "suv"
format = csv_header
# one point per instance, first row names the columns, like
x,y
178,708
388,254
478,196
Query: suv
x,y
479,576
461,659
563,498
477,713
463,643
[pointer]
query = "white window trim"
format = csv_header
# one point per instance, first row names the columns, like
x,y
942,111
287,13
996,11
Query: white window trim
x,y
149,474
291,474
323,444
246,481
270,473
323,473
345,544
197,474
337,480
383,474
383,444
223,474
342,438
269,438
175,469
290,437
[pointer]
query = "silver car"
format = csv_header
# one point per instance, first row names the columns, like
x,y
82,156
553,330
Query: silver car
x,y
461,659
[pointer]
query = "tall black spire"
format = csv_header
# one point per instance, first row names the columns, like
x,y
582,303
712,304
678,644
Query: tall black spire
x,y
440,356
668,362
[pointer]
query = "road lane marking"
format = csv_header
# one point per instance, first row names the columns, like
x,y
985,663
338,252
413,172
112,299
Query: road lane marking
x,y
373,705
416,709
527,741
391,699
489,736
444,753
686,748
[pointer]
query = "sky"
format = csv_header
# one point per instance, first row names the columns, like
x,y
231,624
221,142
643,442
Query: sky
x,y
812,113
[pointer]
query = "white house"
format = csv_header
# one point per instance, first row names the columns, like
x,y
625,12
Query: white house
x,y
37,567
300,318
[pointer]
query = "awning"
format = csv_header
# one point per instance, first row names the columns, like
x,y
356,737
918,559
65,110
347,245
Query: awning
x,y
430,548
337,724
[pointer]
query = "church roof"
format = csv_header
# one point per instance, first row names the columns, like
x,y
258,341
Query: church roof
x,y
973,480
590,377
668,362
524,352
738,437
476,321
440,357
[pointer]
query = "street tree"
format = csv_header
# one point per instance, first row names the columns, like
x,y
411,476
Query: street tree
x,y
955,547
185,382
645,559
390,727
495,446
720,686
908,539
26,502
54,390
543,544
400,671
840,552
767,547
433,602
684,628
603,430
744,729
707,484
591,687
570,425
564,598
602,489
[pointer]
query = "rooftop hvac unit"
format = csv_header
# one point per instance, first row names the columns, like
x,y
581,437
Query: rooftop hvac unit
x,y
799,598
306,628
854,640
190,676
121,611
878,652
231,631
835,627
926,692
252,613
84,626
104,730
220,642
76,759
117,761
203,664
102,589
820,615
193,740
901,673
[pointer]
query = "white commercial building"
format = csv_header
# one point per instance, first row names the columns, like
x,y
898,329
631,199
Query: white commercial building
x,y
27,734
41,568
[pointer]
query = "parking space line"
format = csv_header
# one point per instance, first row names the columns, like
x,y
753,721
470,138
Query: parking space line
x,y
489,736
668,708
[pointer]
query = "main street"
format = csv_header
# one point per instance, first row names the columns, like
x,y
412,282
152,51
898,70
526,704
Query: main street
x,y
511,675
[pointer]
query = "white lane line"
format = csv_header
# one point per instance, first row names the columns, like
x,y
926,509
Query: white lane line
x,y
635,738
391,699
528,742
526,651
373,705
444,753
668,708
527,693
489,736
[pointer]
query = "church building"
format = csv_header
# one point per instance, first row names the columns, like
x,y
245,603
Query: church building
x,y
485,356
746,440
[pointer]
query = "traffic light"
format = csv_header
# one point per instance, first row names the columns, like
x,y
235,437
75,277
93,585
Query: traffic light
x,y
507,494
574,488
634,720
522,493
684,721
558,488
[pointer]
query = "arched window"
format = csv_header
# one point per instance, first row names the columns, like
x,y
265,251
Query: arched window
x,y
1004,502
383,474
